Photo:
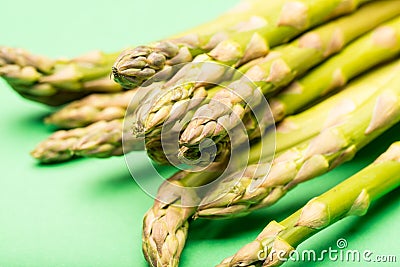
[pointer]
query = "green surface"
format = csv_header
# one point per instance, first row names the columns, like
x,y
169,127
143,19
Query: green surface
x,y
88,212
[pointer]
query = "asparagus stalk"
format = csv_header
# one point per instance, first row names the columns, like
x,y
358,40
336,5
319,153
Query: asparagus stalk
x,y
290,132
298,128
135,66
267,25
178,99
378,46
56,82
97,107
351,197
308,82
101,139
107,107
91,109
333,146
170,105
165,225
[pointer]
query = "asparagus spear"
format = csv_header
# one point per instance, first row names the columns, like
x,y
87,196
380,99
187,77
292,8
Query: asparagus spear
x,y
177,100
376,47
298,128
54,156
351,197
267,25
56,82
290,132
166,223
91,109
101,139
135,66
333,146
169,105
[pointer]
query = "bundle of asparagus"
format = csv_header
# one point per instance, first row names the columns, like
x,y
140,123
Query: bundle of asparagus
x,y
347,122
378,42
280,67
383,41
295,54
57,81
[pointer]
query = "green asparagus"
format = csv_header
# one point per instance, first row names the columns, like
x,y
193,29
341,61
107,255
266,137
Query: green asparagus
x,y
303,53
263,25
180,99
333,146
290,132
135,66
101,139
332,111
277,114
166,224
91,109
351,197
56,82
375,48
378,46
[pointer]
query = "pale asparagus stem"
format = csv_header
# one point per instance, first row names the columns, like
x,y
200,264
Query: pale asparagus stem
x,y
101,139
377,47
237,42
290,61
351,197
332,111
56,82
91,109
333,146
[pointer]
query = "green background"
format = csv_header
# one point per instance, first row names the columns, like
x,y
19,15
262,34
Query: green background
x,y
89,212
